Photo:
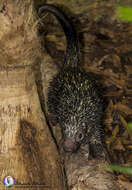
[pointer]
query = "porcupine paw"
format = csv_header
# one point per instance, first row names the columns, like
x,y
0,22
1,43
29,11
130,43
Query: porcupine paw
x,y
97,150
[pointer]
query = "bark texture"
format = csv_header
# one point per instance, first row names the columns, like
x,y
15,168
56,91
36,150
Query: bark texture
x,y
27,150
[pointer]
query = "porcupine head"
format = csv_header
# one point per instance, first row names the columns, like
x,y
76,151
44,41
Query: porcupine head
x,y
73,134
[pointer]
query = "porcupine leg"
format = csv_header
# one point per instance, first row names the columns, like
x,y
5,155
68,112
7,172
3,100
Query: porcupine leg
x,y
96,146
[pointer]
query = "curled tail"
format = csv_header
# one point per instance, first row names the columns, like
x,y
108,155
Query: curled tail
x,y
72,57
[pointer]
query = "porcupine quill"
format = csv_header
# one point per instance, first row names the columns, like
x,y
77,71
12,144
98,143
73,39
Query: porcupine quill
x,y
74,100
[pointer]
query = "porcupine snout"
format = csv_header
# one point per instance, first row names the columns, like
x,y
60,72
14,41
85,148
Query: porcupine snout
x,y
73,140
69,145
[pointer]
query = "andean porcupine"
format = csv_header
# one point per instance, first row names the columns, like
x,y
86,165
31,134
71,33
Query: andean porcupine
x,y
74,100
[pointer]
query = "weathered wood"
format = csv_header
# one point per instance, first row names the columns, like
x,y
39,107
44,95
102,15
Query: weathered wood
x,y
27,150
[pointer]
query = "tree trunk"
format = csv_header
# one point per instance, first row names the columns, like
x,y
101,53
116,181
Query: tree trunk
x,y
27,151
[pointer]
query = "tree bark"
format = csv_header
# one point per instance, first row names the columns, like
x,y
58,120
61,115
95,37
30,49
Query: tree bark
x,y
27,150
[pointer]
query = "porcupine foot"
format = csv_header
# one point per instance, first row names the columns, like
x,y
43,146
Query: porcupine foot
x,y
97,149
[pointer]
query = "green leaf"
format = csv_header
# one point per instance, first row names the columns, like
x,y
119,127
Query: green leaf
x,y
121,169
130,125
124,13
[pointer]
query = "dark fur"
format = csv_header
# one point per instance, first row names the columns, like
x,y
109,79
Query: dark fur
x,y
74,100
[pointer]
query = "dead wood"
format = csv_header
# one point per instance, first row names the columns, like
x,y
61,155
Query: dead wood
x,y
27,150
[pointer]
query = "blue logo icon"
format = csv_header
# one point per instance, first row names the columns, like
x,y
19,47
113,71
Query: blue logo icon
x,y
8,181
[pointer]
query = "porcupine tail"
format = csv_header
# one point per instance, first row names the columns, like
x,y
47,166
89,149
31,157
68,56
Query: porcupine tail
x,y
72,55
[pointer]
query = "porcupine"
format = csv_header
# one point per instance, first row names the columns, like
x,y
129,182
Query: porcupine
x,y
74,101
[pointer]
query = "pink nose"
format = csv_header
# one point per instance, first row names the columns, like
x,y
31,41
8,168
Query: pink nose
x,y
69,145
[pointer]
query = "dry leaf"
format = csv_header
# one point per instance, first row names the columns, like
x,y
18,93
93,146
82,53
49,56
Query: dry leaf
x,y
123,108
115,131
118,145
